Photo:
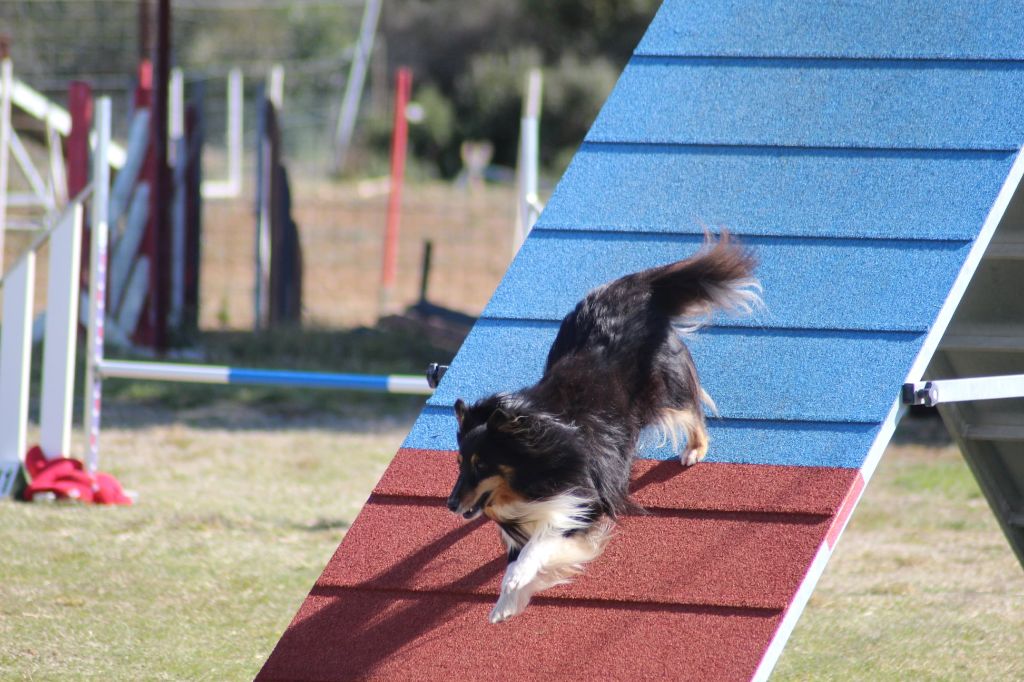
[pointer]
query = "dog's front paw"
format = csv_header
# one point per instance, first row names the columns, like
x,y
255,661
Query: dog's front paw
x,y
509,604
518,575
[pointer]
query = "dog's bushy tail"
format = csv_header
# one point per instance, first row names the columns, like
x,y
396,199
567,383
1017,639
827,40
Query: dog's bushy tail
x,y
720,275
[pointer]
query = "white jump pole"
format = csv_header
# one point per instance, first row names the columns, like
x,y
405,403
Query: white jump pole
x,y
97,284
15,363
61,335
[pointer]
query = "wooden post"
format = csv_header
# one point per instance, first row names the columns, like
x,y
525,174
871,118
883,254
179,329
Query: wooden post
x,y
399,144
428,249
161,190
194,133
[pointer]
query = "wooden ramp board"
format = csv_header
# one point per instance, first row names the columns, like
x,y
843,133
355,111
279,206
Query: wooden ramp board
x,y
867,153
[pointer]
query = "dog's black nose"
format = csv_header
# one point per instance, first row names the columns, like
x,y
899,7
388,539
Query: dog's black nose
x,y
453,503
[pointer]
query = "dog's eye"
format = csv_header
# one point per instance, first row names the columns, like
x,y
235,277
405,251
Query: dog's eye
x,y
477,464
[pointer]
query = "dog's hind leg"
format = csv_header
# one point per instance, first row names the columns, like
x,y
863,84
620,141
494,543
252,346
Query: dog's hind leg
x,y
692,422
689,420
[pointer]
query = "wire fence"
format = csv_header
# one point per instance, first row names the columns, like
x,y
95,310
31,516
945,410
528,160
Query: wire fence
x,y
342,245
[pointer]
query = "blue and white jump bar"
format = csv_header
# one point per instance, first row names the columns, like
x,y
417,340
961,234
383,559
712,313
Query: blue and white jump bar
x,y
238,376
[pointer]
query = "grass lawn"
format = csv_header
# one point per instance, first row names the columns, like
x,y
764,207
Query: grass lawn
x,y
241,507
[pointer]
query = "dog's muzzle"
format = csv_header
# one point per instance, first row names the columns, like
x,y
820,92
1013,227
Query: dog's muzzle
x,y
454,505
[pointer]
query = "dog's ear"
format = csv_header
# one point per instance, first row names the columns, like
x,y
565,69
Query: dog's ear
x,y
460,411
500,420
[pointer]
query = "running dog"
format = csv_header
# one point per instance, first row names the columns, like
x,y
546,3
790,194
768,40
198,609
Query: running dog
x,y
550,464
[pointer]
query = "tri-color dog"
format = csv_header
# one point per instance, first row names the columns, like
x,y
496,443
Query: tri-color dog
x,y
550,464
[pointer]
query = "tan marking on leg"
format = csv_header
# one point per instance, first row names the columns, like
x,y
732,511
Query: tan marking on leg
x,y
691,421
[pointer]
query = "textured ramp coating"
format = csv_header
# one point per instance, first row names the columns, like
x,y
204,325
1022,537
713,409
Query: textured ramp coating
x,y
882,194
905,29
816,103
861,148
749,372
346,634
807,283
659,485
736,559
737,441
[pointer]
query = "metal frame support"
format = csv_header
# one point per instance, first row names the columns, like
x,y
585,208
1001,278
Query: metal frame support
x,y
435,373
931,393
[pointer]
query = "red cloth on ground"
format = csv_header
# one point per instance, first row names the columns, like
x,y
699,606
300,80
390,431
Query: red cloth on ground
x,y
68,479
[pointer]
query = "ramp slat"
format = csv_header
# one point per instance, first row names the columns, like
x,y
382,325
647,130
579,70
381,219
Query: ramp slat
x,y
882,194
816,103
345,634
757,560
738,441
762,374
807,284
659,485
907,29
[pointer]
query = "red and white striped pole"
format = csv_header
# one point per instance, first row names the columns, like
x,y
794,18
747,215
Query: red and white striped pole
x,y
399,143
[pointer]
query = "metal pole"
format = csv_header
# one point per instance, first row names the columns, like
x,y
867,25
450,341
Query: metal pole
x,y
220,374
354,85
97,285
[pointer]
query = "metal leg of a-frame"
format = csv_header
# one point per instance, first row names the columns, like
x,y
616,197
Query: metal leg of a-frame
x,y
931,393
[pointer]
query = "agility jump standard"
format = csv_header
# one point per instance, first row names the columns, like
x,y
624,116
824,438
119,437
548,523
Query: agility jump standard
x,y
65,239
102,368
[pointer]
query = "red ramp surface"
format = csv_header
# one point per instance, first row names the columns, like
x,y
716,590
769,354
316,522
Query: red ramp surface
x,y
717,560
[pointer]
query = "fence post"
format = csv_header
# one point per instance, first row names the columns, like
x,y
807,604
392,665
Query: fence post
x,y
97,284
61,335
399,140
529,151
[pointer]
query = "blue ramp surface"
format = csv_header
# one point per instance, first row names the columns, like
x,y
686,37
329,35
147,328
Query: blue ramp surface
x,y
866,152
